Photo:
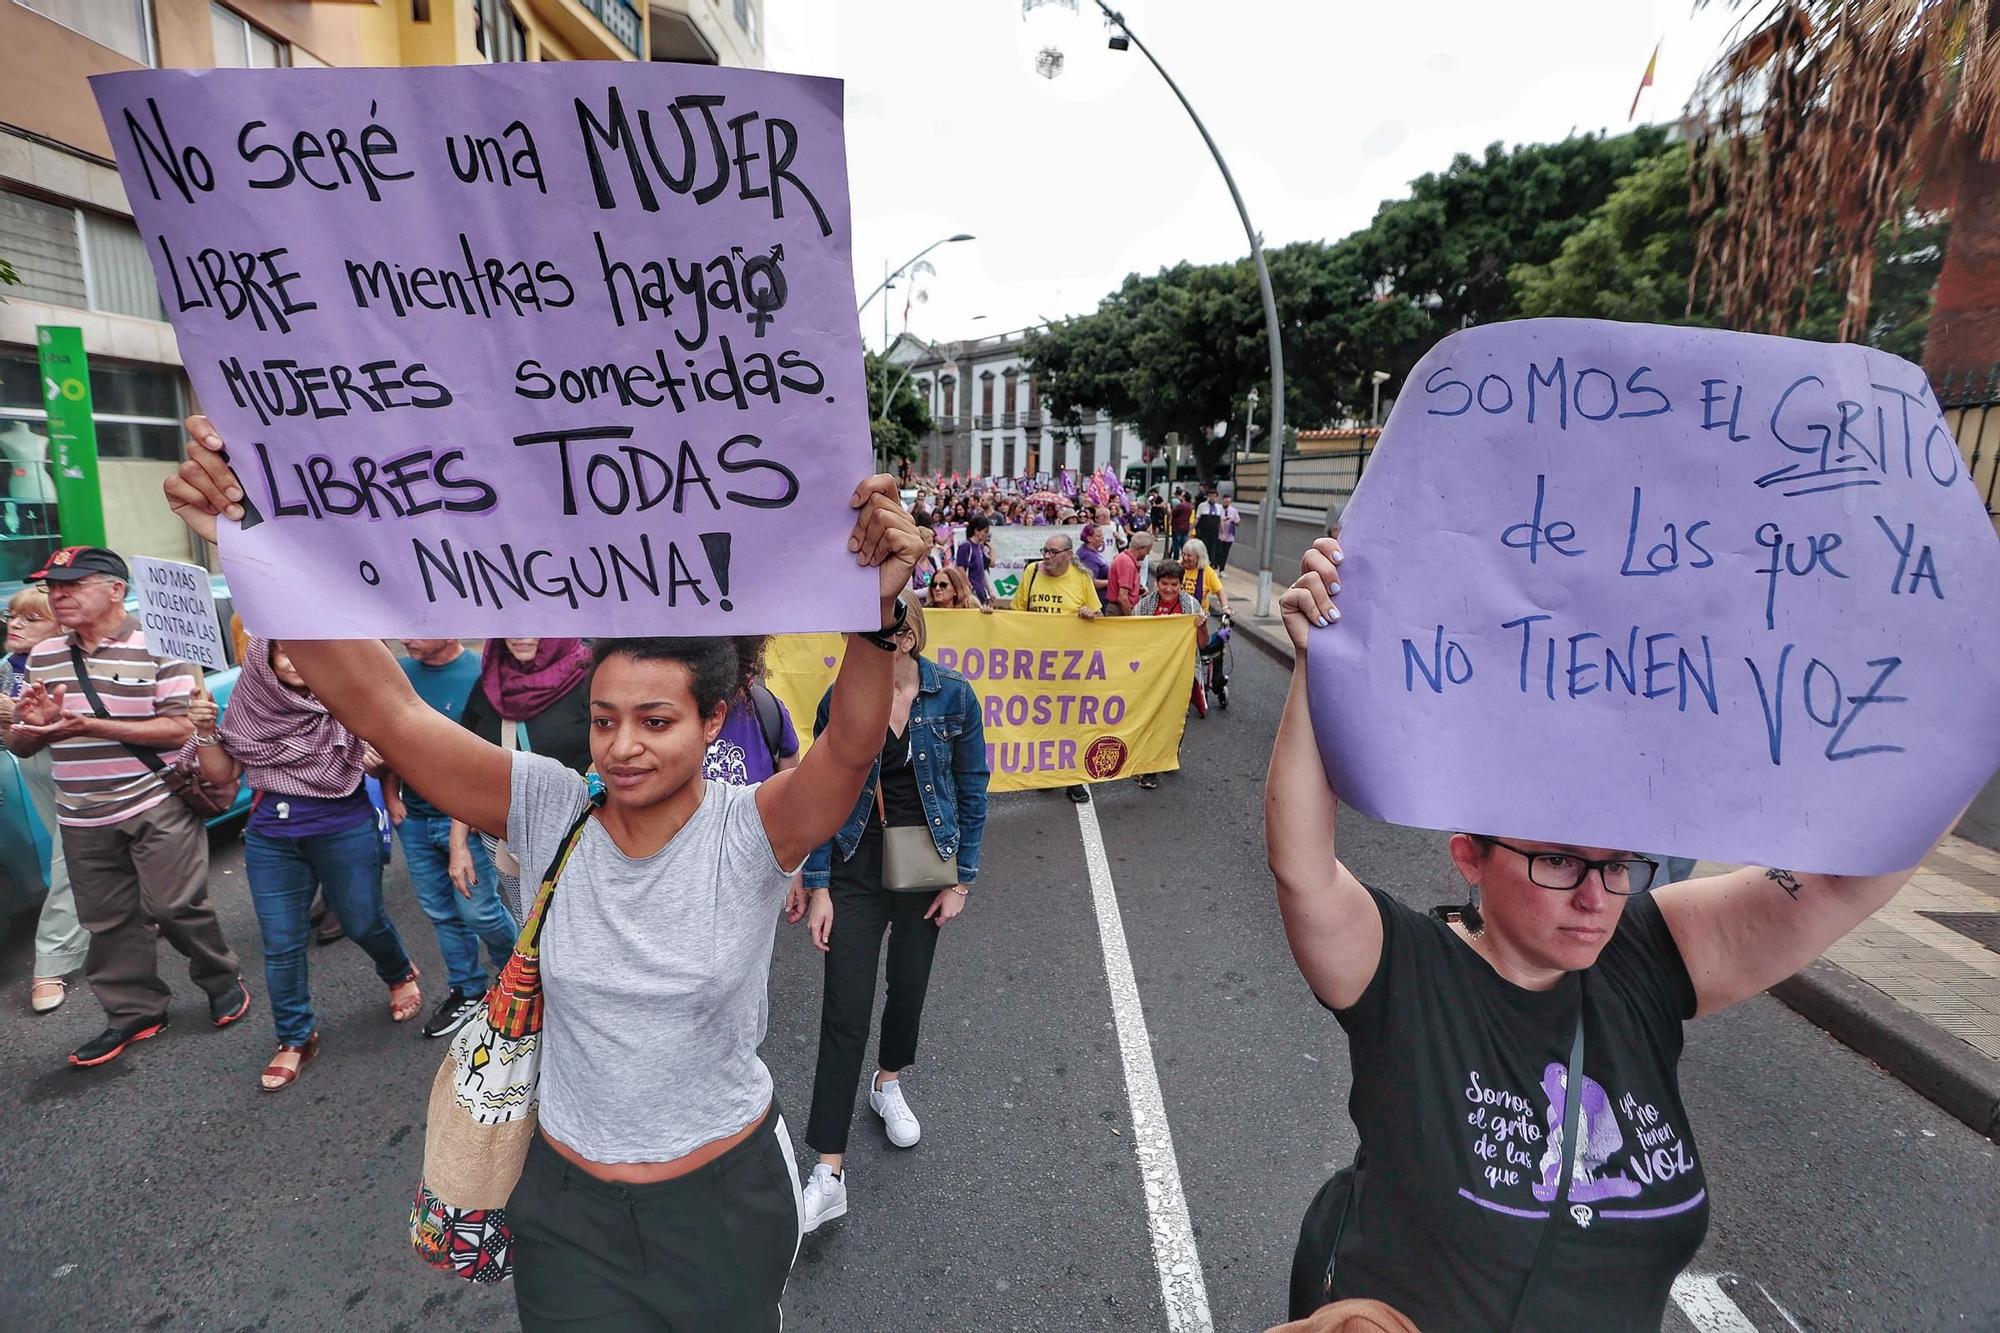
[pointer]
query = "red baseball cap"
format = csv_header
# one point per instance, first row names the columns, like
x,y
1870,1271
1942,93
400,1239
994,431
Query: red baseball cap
x,y
73,564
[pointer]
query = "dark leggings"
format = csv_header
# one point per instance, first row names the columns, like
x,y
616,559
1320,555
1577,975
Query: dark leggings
x,y
862,912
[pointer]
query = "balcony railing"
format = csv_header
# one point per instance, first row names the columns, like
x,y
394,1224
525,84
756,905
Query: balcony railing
x,y
623,21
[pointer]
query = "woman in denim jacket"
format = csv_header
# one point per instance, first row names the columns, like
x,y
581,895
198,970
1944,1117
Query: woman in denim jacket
x,y
931,772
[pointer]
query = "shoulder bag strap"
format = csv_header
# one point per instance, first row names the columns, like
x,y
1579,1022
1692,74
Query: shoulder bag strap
x,y
1572,1113
768,720
150,758
530,939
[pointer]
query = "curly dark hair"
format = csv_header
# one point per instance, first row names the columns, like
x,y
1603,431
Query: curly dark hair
x,y
714,665
750,659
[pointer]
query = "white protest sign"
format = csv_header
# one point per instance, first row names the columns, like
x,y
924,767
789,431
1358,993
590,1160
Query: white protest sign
x,y
177,610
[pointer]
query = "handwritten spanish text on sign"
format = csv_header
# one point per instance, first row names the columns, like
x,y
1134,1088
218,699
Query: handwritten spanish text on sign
x,y
177,611
1667,590
515,349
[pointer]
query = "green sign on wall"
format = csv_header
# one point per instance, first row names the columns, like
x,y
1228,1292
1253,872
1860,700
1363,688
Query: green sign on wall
x,y
72,434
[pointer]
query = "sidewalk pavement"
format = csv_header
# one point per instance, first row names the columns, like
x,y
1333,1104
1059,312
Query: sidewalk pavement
x,y
1915,988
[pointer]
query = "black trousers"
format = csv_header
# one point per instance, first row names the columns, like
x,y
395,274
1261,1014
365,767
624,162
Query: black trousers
x,y
707,1252
863,911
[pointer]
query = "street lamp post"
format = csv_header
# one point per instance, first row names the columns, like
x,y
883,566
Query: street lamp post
x,y
892,274
1267,536
1249,416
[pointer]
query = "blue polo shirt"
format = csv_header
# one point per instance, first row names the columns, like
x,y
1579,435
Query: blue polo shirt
x,y
445,688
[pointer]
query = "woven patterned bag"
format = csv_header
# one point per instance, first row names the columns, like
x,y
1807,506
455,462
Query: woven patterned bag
x,y
482,1110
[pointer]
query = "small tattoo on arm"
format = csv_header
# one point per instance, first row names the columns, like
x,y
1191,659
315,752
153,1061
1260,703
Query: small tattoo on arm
x,y
1786,880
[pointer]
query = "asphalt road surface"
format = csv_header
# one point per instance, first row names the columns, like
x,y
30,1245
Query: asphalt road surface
x,y
166,1192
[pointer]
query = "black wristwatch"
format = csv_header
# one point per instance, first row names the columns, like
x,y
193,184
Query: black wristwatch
x,y
885,638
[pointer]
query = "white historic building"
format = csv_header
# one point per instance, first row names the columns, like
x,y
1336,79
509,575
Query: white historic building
x,y
991,421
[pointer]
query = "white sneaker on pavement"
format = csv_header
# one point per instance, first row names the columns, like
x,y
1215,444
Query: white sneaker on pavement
x,y
824,1197
897,1117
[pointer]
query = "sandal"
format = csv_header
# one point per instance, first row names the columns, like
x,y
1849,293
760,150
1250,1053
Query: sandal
x,y
405,999
1149,781
277,1077
47,994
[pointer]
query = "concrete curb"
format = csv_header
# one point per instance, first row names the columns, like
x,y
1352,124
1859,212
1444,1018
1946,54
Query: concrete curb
x,y
1873,1024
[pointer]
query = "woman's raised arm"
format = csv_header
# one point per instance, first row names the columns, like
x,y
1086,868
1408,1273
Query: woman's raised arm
x,y
1743,932
1330,922
359,680
805,806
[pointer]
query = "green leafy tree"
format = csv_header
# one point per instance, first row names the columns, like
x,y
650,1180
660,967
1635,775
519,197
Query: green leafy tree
x,y
1177,351
8,277
907,419
1632,261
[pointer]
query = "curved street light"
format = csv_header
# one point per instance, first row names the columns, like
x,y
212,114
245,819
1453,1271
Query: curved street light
x,y
1268,518
900,268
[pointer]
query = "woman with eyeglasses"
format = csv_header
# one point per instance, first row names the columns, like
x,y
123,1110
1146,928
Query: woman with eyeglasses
x,y
60,939
1547,1010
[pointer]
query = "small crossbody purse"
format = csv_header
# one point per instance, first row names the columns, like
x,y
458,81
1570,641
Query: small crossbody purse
x,y
910,860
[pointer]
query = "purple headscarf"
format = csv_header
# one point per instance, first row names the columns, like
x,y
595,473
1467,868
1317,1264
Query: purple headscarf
x,y
522,692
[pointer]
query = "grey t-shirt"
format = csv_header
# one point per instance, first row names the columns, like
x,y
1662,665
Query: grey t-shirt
x,y
656,971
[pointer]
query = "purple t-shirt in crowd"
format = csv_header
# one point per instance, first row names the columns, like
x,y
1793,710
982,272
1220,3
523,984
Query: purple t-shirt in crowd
x,y
276,815
739,755
1094,561
972,559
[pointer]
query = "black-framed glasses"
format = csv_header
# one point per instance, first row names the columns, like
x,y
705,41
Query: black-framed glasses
x,y
1563,871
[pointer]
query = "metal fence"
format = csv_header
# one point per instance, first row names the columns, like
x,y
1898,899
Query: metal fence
x,y
1314,482
1971,403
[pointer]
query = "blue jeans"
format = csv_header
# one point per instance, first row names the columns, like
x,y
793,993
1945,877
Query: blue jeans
x,y
284,872
461,922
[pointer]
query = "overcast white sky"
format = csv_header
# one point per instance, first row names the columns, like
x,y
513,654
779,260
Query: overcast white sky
x,y
1324,108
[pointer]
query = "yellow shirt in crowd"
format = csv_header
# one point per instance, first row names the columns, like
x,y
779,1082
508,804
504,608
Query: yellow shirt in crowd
x,y
1066,594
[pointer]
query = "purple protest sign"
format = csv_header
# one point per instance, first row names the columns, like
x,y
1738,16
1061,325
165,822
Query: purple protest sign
x,y
515,349
1666,590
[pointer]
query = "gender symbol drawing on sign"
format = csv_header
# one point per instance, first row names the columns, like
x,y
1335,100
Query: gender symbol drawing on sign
x,y
1666,590
556,349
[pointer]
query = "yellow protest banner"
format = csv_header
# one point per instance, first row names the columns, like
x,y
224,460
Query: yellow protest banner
x,y
1065,700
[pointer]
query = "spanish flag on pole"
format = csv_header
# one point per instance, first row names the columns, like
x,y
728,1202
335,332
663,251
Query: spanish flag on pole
x,y
1645,82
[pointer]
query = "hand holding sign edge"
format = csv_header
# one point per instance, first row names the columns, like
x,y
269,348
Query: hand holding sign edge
x,y
204,487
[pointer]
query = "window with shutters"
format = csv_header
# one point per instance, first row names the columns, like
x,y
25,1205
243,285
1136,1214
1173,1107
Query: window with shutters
x,y
118,275
40,240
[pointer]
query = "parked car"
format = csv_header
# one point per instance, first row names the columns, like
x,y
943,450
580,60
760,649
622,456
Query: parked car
x,y
24,843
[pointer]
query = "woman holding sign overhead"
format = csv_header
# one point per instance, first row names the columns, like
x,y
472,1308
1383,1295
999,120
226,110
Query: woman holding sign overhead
x,y
660,1189
1547,1011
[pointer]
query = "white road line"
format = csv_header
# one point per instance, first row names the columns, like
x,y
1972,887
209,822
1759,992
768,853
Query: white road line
x,y
1182,1286
1701,1298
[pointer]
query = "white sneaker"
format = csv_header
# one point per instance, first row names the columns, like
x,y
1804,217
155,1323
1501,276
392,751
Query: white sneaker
x,y
824,1197
897,1117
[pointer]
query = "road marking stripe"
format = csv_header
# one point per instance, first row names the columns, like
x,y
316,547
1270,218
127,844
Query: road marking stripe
x,y
1182,1286
1701,1298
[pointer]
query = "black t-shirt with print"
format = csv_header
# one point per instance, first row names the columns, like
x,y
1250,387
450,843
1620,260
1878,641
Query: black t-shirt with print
x,y
1457,1094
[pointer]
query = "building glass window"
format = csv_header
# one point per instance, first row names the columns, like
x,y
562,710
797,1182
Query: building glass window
x,y
1034,399
117,270
950,386
138,409
1009,397
986,394
126,26
240,44
40,240
499,35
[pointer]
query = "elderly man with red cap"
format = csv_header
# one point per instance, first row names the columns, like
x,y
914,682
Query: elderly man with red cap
x,y
110,710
